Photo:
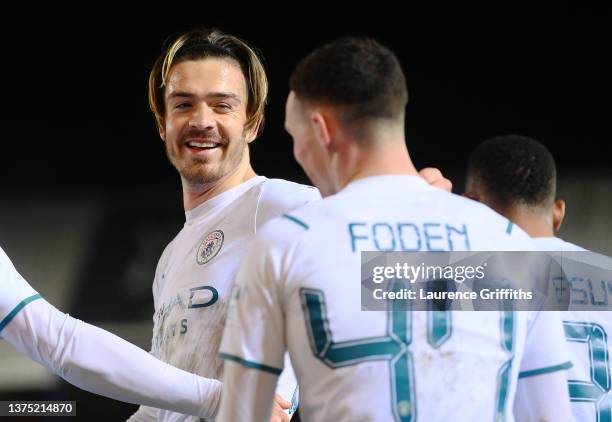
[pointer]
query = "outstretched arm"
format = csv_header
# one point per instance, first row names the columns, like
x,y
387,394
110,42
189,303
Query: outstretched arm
x,y
93,359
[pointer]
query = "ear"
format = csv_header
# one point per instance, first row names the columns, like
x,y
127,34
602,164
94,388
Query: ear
x,y
162,132
558,212
251,134
321,128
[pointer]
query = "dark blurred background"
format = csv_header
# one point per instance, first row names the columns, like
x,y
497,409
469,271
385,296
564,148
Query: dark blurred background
x,y
88,200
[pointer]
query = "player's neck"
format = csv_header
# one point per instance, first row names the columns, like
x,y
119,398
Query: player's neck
x,y
534,223
195,195
385,158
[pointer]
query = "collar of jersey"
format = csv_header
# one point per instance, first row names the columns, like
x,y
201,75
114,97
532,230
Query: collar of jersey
x,y
389,181
223,198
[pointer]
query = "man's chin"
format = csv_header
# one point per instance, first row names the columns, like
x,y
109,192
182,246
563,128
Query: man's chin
x,y
200,176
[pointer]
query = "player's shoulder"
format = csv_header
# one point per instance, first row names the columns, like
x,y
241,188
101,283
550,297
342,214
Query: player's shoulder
x,y
286,192
556,244
278,196
493,228
172,244
569,246
481,212
5,262
334,206
309,219
167,253
6,267
475,210
292,226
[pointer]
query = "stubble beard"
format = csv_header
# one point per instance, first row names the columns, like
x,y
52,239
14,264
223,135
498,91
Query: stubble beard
x,y
198,171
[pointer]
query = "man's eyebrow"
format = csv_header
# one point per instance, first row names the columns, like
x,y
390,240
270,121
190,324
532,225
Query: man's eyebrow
x,y
180,94
212,95
224,95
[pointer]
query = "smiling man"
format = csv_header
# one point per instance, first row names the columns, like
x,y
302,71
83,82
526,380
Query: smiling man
x,y
207,91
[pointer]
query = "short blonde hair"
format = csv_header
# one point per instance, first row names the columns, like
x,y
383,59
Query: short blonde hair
x,y
203,43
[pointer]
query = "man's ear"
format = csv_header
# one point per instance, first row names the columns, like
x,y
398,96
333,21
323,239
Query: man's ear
x,y
162,132
251,134
558,212
321,126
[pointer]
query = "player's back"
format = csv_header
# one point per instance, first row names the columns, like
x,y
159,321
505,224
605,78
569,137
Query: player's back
x,y
378,365
588,327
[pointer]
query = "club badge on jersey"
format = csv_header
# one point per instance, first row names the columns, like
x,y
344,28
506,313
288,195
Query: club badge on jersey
x,y
210,247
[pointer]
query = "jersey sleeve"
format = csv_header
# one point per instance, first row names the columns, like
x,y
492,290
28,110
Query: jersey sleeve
x,y
15,292
102,363
545,346
248,393
281,197
544,398
541,392
93,359
254,330
253,342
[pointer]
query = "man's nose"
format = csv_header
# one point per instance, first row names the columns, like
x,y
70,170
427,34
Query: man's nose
x,y
202,118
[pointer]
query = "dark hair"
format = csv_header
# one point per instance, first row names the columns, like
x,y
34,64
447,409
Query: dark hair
x,y
513,170
360,76
202,43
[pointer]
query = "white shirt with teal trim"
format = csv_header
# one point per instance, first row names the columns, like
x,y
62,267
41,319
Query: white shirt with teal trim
x,y
196,272
589,337
16,293
93,359
302,278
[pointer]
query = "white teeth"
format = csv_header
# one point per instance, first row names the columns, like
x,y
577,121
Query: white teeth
x,y
202,144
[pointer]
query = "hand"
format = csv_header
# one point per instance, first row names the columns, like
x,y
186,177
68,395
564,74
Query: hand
x,y
278,410
434,177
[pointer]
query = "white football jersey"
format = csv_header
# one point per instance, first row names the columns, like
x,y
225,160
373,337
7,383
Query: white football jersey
x,y
196,272
587,334
15,292
302,278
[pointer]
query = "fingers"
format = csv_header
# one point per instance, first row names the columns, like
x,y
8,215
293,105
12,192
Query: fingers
x,y
284,404
435,178
278,414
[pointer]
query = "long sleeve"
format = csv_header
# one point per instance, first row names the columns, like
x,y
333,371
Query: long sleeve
x,y
93,359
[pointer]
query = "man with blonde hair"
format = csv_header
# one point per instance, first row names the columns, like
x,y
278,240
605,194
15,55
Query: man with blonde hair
x,y
207,91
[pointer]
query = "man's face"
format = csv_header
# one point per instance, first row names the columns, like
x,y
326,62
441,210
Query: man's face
x,y
205,116
307,149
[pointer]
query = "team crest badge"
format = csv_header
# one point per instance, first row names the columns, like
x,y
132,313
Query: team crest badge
x,y
210,247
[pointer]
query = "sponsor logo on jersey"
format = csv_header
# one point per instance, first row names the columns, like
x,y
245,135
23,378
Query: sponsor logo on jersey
x,y
210,247
203,296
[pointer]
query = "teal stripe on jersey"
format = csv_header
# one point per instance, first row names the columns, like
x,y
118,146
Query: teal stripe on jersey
x,y
296,221
549,369
16,310
252,365
510,227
